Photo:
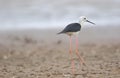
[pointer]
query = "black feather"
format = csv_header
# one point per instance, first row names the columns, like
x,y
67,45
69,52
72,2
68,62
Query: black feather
x,y
73,27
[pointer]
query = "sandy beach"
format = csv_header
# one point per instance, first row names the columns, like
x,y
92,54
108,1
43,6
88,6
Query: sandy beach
x,y
44,54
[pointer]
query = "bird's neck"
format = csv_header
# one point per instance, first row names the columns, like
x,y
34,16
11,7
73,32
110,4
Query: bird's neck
x,y
81,22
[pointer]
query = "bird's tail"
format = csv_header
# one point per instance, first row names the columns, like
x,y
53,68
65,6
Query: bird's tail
x,y
60,33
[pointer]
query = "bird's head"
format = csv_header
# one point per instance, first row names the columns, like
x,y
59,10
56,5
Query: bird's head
x,y
84,19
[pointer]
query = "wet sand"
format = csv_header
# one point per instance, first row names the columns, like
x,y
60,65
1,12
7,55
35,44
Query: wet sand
x,y
44,54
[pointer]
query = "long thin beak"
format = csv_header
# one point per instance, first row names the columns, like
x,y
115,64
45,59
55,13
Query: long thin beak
x,y
90,22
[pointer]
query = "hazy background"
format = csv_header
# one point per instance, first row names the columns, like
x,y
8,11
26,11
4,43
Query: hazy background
x,y
31,48
21,14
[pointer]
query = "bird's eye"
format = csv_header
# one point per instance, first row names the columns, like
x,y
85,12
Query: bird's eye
x,y
84,18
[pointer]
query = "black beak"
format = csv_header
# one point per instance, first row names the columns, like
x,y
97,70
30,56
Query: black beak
x,y
90,22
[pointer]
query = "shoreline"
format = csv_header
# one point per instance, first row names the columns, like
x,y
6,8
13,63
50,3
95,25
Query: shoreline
x,y
44,54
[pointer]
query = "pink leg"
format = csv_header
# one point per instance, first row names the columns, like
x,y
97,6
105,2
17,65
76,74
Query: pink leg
x,y
72,61
78,54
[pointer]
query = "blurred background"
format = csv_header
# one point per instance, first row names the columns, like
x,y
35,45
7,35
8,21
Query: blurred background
x,y
31,48
25,14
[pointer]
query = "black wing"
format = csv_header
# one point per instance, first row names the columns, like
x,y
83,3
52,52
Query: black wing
x,y
73,27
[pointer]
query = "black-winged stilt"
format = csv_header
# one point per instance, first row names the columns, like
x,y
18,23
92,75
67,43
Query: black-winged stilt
x,y
70,30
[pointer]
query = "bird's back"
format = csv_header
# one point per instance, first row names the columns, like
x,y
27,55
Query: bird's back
x,y
73,27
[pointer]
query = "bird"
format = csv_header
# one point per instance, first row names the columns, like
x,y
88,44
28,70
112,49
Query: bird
x,y
73,29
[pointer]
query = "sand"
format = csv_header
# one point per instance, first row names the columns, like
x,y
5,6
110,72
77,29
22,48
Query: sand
x,y
43,54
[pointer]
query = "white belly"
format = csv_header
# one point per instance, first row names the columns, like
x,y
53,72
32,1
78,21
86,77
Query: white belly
x,y
72,33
